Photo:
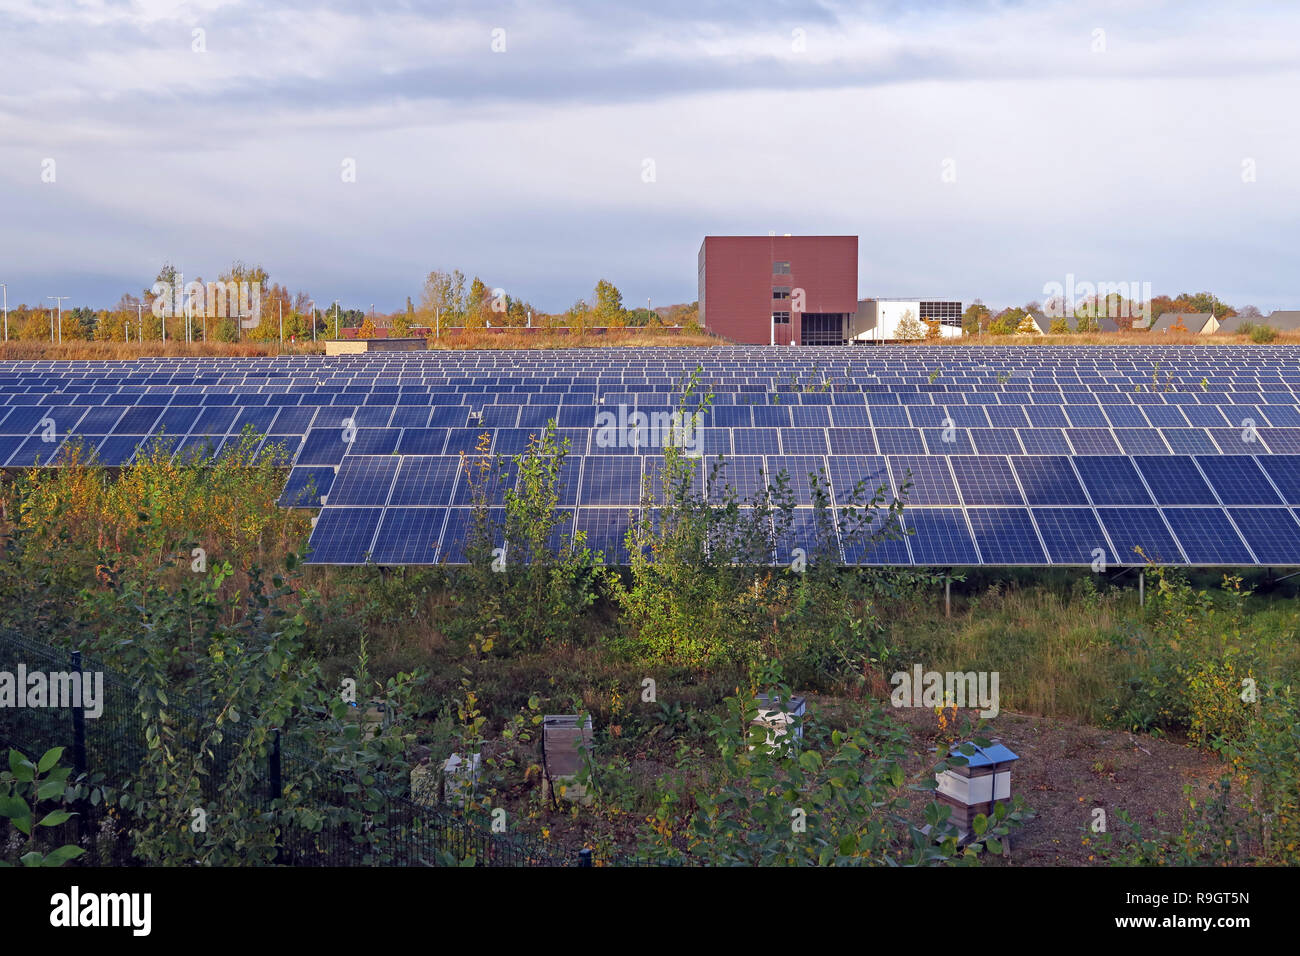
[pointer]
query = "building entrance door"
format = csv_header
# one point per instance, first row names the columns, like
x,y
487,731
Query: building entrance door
x,y
781,328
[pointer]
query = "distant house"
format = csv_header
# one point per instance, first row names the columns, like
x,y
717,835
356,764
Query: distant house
x,y
1107,324
1282,320
1198,323
1040,319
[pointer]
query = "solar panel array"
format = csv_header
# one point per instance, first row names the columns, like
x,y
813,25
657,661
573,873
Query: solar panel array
x,y
1015,455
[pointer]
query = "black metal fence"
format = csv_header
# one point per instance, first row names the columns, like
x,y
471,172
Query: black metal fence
x,y
399,832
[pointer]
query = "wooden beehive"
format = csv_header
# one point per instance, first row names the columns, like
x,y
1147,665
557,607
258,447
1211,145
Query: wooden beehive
x,y
562,743
979,786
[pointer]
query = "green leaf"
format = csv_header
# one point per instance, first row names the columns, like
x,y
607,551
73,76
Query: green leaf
x,y
54,818
62,855
50,758
14,807
994,845
49,789
980,824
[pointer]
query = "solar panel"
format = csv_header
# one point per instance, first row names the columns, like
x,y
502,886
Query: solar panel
x,y
1111,480
940,536
1006,536
1140,536
1073,536
1059,431
1207,536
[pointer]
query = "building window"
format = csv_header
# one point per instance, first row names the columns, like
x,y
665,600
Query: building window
x,y
781,292
781,268
948,313
780,318
822,328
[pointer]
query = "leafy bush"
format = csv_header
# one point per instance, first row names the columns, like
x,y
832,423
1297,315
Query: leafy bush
x,y
832,798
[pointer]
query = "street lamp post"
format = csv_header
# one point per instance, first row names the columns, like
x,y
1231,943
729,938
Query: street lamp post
x,y
6,296
59,299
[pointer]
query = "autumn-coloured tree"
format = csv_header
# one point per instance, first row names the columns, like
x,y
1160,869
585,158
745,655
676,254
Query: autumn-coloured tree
x,y
932,332
367,330
909,328
1060,326
608,308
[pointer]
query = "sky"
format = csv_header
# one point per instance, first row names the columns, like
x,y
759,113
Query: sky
x,y
979,149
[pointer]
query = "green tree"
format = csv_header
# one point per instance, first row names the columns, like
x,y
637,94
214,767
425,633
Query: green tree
x,y
975,319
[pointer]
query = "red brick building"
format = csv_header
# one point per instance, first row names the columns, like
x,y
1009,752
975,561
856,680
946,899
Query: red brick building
x,y
779,290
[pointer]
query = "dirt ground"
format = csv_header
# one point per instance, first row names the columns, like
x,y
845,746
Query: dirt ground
x,y
1067,769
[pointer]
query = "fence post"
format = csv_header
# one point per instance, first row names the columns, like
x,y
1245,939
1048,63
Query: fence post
x,y
277,791
83,807
584,858
78,726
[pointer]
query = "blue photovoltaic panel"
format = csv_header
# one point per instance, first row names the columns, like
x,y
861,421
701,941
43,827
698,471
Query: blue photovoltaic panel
x,y
899,441
460,528
941,536
855,480
364,480
1238,480
1132,528
421,441
811,531
1189,441
1086,416
943,441
743,476
374,441
323,446
755,441
1141,441
803,441
343,535
1175,480
1207,536
115,450
1284,470
1049,480
606,531
1165,416
1111,480
611,480
860,548
137,421
426,480
1044,441
1092,441
304,487
1242,423
931,481
995,441
1046,416
810,416
409,536
1281,441
1271,533
797,470
1073,536
851,441
1005,536
985,480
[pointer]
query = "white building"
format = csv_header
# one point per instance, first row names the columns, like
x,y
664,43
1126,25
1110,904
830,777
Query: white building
x,y
877,320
